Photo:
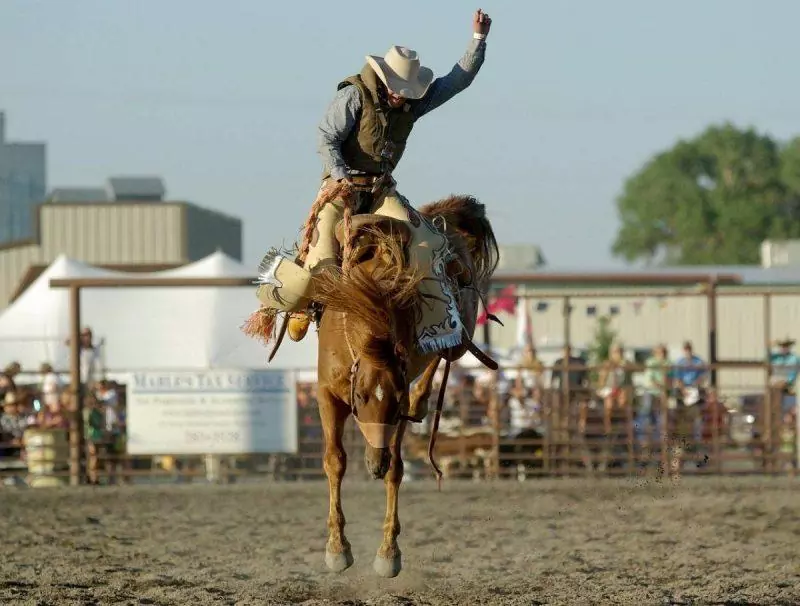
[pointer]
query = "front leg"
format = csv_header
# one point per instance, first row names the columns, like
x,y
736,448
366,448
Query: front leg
x,y
418,407
388,561
333,414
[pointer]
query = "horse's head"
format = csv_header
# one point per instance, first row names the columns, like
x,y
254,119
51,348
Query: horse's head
x,y
379,298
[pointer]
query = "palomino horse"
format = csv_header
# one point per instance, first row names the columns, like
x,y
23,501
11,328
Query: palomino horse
x,y
367,348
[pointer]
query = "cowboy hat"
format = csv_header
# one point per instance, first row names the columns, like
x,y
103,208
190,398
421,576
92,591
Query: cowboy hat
x,y
401,72
787,342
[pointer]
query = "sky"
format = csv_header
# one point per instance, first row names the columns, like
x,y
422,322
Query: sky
x,y
223,100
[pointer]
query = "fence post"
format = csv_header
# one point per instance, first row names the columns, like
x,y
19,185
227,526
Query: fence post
x,y
76,419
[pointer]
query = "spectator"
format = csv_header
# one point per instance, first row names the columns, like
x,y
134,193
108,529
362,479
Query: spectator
x,y
89,359
94,424
12,426
532,370
12,370
689,376
614,381
53,415
656,381
51,384
577,374
7,385
785,364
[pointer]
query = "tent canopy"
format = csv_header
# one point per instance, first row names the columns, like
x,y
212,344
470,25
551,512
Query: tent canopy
x,y
172,328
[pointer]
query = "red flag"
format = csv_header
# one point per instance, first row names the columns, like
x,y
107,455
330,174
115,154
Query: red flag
x,y
505,300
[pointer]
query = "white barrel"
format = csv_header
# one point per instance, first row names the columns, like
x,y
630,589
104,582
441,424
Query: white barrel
x,y
46,453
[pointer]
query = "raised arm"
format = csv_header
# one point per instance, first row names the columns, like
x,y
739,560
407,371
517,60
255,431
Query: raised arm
x,y
463,73
336,125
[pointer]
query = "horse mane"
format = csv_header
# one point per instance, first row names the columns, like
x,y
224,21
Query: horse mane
x,y
380,292
467,218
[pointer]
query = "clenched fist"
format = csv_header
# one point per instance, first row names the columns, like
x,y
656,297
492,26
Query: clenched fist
x,y
481,22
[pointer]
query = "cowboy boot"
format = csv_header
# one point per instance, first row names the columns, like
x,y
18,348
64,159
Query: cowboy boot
x,y
298,325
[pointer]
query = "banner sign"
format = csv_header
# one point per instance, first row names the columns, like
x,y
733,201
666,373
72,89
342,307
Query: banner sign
x,y
212,412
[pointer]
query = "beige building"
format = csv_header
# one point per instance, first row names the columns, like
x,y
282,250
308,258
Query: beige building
x,y
644,319
132,230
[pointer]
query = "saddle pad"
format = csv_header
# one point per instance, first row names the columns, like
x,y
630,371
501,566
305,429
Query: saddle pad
x,y
440,326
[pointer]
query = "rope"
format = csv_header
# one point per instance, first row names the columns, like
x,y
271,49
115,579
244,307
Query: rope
x,y
327,195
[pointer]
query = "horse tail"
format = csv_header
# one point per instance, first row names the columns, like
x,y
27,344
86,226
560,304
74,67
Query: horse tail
x,y
467,217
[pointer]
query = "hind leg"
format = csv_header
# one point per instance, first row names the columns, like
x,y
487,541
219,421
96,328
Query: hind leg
x,y
388,561
338,555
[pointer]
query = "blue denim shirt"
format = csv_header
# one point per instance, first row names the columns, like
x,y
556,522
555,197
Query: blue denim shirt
x,y
689,371
343,111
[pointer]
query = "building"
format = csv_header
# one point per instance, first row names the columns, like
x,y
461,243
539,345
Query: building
x,y
23,182
755,305
520,257
130,229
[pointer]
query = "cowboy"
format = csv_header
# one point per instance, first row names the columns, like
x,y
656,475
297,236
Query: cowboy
x,y
364,132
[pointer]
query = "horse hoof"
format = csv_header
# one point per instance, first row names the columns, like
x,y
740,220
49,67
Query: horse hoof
x,y
338,562
388,568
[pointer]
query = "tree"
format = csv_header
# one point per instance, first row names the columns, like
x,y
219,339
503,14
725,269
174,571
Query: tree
x,y
711,200
604,337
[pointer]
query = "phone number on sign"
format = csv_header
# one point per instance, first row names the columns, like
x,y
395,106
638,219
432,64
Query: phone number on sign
x,y
212,436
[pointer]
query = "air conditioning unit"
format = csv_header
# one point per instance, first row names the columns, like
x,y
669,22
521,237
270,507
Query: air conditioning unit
x,y
783,253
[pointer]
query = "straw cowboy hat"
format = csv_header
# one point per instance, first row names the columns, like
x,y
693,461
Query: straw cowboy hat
x,y
402,73
787,342
10,399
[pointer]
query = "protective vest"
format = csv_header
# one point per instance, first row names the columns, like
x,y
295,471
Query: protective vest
x,y
378,138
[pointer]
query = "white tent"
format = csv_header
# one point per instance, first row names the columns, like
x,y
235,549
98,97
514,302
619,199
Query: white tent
x,y
146,328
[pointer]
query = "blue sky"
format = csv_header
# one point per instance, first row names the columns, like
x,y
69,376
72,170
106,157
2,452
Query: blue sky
x,y
223,99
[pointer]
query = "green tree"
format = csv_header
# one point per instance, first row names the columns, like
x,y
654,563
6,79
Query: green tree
x,y
711,200
604,337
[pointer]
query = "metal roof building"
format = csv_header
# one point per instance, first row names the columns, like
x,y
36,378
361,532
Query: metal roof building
x,y
140,233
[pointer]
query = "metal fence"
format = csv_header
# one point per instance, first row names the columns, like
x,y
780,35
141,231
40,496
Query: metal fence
x,y
577,430
571,430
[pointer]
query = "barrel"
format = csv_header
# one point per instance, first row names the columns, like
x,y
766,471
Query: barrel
x,y
46,453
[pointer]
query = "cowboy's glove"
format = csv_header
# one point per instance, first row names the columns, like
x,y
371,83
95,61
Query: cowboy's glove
x,y
481,22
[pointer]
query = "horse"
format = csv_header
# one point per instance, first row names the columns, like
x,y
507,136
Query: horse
x,y
368,355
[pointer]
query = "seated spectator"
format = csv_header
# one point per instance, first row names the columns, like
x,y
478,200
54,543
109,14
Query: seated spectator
x,y
614,383
689,375
785,365
12,426
53,415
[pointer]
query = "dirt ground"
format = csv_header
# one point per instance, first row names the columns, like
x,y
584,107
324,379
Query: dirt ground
x,y
576,541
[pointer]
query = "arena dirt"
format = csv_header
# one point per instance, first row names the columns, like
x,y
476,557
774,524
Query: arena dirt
x,y
701,541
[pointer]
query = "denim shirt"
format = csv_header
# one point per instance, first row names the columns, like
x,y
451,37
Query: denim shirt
x,y
344,110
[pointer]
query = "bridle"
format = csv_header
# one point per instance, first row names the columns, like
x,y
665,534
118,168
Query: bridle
x,y
354,367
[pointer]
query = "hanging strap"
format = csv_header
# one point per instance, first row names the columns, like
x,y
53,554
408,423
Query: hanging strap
x,y
435,429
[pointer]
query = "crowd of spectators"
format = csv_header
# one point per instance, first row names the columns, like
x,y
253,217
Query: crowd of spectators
x,y
672,399
42,401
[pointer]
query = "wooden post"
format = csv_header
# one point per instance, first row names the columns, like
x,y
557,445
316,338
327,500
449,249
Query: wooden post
x,y
564,428
712,329
76,422
769,393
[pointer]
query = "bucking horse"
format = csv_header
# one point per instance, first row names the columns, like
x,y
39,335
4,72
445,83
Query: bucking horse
x,y
405,298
